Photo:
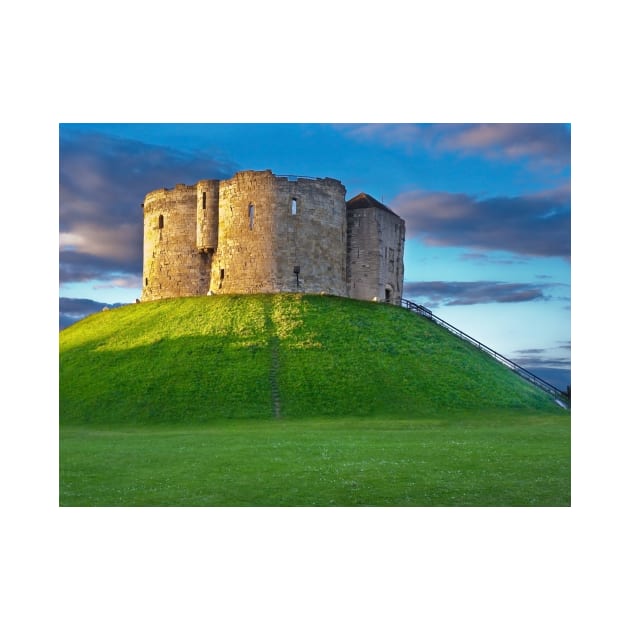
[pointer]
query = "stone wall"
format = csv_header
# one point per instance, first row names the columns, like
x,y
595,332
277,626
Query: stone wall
x,y
392,270
207,215
310,229
270,226
244,260
375,251
172,264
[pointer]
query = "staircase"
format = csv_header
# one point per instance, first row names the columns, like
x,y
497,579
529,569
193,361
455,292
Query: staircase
x,y
562,398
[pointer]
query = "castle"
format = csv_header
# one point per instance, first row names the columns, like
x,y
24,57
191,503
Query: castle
x,y
263,233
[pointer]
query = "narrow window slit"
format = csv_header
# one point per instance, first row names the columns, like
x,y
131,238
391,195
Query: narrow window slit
x,y
251,215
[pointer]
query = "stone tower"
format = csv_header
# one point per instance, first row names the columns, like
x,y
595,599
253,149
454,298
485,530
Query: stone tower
x,y
262,233
376,239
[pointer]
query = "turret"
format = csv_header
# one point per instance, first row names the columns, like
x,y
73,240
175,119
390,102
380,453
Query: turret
x,y
207,215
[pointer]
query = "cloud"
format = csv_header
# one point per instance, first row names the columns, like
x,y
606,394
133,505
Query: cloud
x,y
552,364
437,293
545,358
532,225
115,243
122,282
401,134
540,144
558,355
71,310
103,180
547,144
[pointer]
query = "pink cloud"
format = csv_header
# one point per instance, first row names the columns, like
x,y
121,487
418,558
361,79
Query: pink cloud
x,y
549,143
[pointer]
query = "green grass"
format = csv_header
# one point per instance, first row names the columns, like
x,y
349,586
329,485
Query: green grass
x,y
479,460
297,400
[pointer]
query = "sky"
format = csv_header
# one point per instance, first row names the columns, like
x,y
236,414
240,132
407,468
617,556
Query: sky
x,y
487,208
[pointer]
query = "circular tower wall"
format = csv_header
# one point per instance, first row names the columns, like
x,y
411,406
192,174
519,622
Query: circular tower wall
x,y
280,234
172,263
243,262
311,235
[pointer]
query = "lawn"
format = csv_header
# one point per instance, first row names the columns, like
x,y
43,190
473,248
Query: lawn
x,y
493,458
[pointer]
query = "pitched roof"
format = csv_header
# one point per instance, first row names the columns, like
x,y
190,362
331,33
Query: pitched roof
x,y
363,200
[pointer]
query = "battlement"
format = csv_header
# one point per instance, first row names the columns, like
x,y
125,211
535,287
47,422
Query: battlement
x,y
263,233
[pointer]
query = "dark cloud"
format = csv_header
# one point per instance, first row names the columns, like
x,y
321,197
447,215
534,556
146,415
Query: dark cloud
x,y
103,180
532,354
71,310
78,267
532,225
543,361
434,294
544,358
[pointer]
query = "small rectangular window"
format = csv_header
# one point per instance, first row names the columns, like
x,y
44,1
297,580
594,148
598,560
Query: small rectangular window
x,y
294,206
160,222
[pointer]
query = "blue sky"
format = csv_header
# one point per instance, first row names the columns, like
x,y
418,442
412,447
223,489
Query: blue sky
x,y
487,209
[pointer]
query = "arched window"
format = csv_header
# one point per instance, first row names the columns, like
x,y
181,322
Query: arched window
x,y
251,212
160,221
294,206
203,201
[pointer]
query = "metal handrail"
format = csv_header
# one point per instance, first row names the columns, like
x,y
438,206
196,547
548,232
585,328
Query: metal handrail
x,y
521,371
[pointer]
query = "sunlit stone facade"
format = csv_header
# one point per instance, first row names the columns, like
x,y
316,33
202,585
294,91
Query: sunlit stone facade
x,y
262,233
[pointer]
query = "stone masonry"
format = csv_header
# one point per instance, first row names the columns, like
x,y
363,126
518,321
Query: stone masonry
x,y
262,233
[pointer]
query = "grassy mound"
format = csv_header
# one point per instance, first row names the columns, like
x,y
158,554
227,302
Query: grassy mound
x,y
195,360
